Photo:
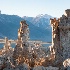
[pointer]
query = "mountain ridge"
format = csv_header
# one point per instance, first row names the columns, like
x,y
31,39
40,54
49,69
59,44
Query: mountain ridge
x,y
9,25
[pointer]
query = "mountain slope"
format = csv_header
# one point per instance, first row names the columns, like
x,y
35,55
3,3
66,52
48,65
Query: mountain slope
x,y
37,33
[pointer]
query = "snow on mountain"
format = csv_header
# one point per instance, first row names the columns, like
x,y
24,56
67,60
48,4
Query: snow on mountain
x,y
41,21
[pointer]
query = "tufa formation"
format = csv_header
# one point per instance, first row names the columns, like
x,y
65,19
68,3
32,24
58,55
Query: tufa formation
x,y
31,55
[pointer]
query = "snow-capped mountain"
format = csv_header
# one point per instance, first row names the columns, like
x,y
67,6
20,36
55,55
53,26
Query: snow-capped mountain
x,y
41,21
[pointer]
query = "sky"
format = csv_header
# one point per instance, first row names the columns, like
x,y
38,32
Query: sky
x,y
32,8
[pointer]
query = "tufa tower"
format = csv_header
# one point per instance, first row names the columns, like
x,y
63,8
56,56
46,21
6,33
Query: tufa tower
x,y
22,44
60,49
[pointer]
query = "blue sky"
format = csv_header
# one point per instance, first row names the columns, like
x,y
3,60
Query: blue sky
x,y
54,8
